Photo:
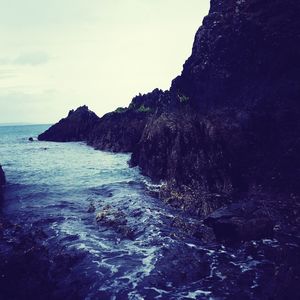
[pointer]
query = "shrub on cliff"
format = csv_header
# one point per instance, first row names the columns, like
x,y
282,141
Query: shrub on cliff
x,y
143,108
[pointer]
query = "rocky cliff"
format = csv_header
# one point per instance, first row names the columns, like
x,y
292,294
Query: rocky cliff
x,y
118,131
75,127
228,128
235,130
121,130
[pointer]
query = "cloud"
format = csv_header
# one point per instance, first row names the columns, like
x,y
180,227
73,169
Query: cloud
x,y
96,52
32,59
4,74
40,107
29,59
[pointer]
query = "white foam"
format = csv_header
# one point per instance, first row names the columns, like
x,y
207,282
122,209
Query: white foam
x,y
196,294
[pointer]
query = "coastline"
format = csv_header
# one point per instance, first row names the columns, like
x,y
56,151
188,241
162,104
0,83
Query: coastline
x,y
215,146
221,148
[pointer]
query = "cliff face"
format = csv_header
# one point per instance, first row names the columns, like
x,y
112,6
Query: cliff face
x,y
121,130
118,131
229,126
236,126
245,50
75,127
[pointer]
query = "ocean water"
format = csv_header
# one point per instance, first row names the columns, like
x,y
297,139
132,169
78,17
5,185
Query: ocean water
x,y
134,251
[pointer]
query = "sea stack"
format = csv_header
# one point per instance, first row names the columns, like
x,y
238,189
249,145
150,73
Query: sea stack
x,y
75,127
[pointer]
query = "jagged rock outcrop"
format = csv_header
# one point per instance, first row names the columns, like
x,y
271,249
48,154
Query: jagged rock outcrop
x,y
118,131
2,182
75,127
121,130
246,50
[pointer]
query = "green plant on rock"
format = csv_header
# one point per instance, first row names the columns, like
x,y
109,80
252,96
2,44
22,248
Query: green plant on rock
x,y
183,98
143,108
120,110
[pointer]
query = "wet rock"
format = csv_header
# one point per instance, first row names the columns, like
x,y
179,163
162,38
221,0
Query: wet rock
x,y
2,177
189,268
91,208
30,270
191,228
280,278
192,199
116,220
111,217
105,213
240,222
75,127
2,183
126,232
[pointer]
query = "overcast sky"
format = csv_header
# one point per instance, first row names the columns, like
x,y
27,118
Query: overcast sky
x,y
59,54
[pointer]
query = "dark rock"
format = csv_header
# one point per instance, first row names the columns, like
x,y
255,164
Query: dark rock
x,y
236,50
241,222
91,208
192,228
121,130
189,268
30,139
230,123
75,127
191,199
118,131
233,121
116,220
2,177
110,216
29,270
2,183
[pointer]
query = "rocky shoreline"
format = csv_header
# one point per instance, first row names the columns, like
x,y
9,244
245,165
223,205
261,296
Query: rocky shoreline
x,y
227,131
224,144
31,268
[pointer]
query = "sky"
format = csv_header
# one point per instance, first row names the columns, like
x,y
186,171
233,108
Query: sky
x,y
59,54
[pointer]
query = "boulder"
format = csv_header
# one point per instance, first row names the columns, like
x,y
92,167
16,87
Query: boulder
x,y
240,222
115,219
91,208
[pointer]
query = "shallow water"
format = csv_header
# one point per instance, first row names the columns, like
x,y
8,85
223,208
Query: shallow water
x,y
137,254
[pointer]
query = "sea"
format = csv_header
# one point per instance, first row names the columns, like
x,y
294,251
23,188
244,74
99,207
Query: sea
x,y
135,246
